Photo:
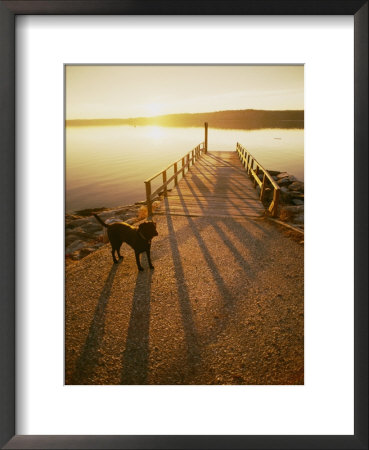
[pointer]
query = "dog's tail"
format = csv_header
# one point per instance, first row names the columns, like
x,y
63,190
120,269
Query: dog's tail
x,y
99,220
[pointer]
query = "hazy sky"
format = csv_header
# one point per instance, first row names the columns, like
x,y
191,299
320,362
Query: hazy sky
x,y
133,91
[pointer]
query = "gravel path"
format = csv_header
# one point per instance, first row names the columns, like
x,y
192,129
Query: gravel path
x,y
224,305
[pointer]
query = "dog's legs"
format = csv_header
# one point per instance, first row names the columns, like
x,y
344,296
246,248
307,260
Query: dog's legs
x,y
113,254
149,258
118,252
138,261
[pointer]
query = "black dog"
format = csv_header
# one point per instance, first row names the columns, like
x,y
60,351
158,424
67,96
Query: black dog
x,y
138,238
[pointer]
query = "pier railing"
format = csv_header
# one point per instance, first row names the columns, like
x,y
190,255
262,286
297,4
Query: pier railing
x,y
180,167
254,169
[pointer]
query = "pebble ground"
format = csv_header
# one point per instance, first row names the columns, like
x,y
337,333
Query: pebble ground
x,y
224,305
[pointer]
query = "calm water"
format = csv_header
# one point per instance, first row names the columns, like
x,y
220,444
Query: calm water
x,y
107,166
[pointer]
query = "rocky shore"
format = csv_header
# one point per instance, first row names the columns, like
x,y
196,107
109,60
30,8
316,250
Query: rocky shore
x,y
84,235
291,201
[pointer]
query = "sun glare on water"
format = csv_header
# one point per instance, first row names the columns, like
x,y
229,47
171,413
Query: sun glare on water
x,y
155,132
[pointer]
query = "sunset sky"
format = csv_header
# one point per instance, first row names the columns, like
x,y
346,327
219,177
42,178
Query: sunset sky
x,y
135,91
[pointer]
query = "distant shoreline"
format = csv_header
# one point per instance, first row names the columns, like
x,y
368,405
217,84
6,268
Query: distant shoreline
x,y
248,119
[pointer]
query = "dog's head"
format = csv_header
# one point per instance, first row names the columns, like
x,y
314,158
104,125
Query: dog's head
x,y
148,229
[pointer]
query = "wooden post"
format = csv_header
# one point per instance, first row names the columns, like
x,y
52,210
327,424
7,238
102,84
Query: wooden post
x,y
263,188
257,174
273,208
206,137
274,205
188,161
164,181
183,167
175,174
251,165
148,198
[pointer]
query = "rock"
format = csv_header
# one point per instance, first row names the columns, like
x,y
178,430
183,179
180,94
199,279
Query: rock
x,y
74,256
69,225
298,219
92,227
294,209
77,223
283,182
85,251
296,186
286,180
274,173
81,234
76,245
297,201
89,211
129,216
285,193
285,215
77,233
70,238
119,215
111,214
123,210
112,220
70,217
107,215
296,194
282,175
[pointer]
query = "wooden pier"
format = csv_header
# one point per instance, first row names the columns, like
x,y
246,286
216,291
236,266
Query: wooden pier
x,y
216,183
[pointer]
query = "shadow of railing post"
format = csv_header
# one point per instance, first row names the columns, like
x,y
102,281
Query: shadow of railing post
x,y
88,358
189,327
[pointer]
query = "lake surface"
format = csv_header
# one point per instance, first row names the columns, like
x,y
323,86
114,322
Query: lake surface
x,y
107,166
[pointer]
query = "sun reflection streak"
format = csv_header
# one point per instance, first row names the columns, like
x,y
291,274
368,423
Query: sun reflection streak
x,y
155,132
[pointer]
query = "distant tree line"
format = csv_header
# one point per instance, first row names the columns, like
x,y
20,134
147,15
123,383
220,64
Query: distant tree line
x,y
246,119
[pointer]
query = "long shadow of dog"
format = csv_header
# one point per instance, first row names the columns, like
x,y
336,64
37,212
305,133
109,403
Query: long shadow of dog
x,y
136,353
88,359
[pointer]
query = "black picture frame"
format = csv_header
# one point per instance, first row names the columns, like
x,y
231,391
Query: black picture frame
x,y
8,12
